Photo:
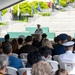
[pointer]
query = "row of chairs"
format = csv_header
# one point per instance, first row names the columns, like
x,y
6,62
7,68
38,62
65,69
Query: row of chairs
x,y
14,71
70,66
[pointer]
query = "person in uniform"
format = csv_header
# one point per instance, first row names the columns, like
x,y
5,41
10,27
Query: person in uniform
x,y
68,56
39,30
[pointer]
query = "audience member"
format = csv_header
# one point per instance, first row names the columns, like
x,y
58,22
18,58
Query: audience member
x,y
68,56
3,64
61,72
46,42
32,58
58,47
15,46
44,36
13,61
28,47
41,68
39,30
0,47
7,38
20,42
46,53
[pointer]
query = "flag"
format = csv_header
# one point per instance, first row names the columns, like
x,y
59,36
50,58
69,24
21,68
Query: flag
x,y
38,8
18,12
32,9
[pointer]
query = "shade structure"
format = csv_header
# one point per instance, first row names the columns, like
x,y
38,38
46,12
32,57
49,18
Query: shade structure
x,y
7,3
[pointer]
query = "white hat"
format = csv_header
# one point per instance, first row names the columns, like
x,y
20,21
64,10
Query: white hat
x,y
70,43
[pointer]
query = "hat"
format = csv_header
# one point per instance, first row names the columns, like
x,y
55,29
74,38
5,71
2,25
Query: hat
x,y
70,43
38,24
62,36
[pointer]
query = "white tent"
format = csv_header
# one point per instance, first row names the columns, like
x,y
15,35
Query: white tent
x,y
7,3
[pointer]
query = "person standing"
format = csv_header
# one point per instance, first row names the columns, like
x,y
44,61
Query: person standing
x,y
39,30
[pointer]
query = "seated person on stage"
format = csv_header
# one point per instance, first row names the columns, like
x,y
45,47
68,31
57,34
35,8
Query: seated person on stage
x,y
39,30
68,56
13,61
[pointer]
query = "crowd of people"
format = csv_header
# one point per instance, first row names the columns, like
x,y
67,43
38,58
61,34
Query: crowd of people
x,y
39,51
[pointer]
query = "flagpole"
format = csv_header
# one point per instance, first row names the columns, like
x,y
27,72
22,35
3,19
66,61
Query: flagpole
x,y
18,13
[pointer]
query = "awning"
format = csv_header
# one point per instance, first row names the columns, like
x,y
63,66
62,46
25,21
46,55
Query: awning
x,y
7,3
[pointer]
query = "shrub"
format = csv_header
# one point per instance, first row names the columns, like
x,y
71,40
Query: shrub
x,y
3,23
4,11
63,3
45,14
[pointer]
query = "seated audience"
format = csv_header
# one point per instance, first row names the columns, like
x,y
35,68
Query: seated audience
x,y
28,47
46,42
58,47
32,58
0,47
68,56
15,46
61,72
3,64
7,38
13,61
46,53
41,68
39,44
20,42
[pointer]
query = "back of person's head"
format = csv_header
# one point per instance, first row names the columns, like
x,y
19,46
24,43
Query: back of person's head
x,y
6,48
45,51
61,72
46,42
3,61
44,35
20,41
7,37
28,39
34,57
41,68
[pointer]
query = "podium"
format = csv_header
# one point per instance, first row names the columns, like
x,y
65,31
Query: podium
x,y
36,36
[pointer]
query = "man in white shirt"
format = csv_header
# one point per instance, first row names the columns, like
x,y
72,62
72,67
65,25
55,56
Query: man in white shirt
x,y
39,30
68,56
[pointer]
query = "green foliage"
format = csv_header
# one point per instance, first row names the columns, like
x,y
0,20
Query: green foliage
x,y
71,0
2,23
63,3
26,7
45,14
4,11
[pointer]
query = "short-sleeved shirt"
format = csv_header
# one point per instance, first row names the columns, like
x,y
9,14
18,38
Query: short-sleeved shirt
x,y
15,62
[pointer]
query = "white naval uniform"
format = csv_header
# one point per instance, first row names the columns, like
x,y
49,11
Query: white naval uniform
x,y
67,57
39,31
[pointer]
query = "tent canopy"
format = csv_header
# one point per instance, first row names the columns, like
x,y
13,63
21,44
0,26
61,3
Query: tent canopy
x,y
7,3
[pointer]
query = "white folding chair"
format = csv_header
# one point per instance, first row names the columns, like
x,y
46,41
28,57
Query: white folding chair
x,y
69,66
24,61
55,57
12,71
15,55
22,70
23,55
54,65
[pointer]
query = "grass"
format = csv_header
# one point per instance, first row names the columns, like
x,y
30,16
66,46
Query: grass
x,y
2,23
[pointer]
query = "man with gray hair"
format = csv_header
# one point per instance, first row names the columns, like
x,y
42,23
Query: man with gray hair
x,y
3,64
13,61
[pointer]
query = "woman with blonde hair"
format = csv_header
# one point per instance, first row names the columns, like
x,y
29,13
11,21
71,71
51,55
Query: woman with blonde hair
x,y
47,43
